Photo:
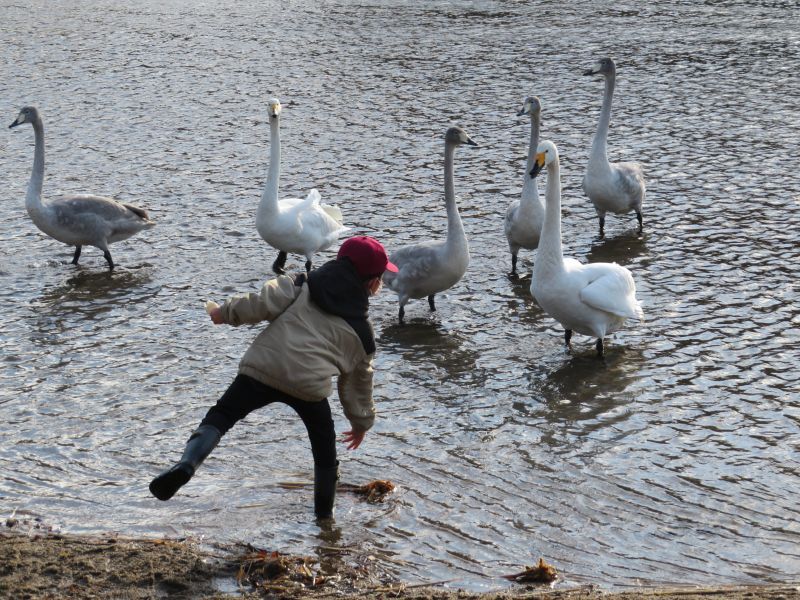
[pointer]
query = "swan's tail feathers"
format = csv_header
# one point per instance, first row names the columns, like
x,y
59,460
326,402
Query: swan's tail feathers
x,y
313,198
334,212
141,213
638,310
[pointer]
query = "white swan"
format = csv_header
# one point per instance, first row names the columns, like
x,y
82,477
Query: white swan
x,y
593,299
612,187
431,267
524,217
81,220
293,224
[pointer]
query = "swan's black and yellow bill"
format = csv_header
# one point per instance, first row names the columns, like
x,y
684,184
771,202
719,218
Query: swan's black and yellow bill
x,y
538,164
18,121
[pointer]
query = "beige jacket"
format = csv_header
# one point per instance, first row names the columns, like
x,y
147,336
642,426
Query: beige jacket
x,y
303,347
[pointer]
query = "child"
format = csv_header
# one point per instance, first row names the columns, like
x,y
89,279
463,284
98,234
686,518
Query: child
x,y
319,328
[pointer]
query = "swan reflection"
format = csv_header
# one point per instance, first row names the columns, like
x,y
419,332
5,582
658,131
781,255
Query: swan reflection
x,y
583,394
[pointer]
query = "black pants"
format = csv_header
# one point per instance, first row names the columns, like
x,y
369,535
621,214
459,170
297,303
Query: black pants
x,y
246,394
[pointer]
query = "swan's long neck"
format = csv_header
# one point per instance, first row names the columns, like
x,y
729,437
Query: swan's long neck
x,y
601,137
269,199
33,197
455,229
529,188
549,255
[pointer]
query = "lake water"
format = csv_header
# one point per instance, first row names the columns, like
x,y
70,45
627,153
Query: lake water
x,y
675,460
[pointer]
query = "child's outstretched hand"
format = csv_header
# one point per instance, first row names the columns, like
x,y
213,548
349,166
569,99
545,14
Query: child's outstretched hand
x,y
353,438
212,308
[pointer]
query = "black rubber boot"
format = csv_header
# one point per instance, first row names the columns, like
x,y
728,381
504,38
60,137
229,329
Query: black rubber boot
x,y
325,490
202,441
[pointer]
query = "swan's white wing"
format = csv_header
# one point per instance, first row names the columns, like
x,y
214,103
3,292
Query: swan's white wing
x,y
334,212
310,201
288,204
314,200
293,207
612,290
317,230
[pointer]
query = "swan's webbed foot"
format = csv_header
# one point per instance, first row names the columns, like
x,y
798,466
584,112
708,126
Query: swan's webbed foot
x,y
279,263
639,218
431,303
602,227
308,266
401,314
107,256
77,255
567,338
600,348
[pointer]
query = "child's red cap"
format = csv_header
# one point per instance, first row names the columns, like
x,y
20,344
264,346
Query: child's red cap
x,y
367,255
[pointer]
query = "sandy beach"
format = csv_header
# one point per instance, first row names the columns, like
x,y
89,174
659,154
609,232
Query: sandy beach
x,y
36,563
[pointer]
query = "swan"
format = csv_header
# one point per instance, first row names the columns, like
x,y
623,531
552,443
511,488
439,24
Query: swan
x,y
524,217
612,187
593,299
80,220
430,267
301,226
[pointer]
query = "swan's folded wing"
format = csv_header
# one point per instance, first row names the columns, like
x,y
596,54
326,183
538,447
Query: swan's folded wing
x,y
613,291
511,215
96,215
333,211
316,222
105,208
287,204
631,177
416,263
296,207
311,200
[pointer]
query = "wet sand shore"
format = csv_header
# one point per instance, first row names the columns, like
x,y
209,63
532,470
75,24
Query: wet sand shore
x,y
39,564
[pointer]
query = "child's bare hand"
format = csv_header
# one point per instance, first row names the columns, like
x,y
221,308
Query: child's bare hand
x,y
353,438
212,308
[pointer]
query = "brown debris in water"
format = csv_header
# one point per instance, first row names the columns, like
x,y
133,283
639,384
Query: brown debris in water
x,y
540,573
374,491
273,571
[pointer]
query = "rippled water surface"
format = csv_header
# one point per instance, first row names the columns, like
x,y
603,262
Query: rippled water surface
x,y
675,460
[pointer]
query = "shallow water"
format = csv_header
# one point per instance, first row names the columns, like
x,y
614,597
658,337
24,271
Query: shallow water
x,y
675,460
